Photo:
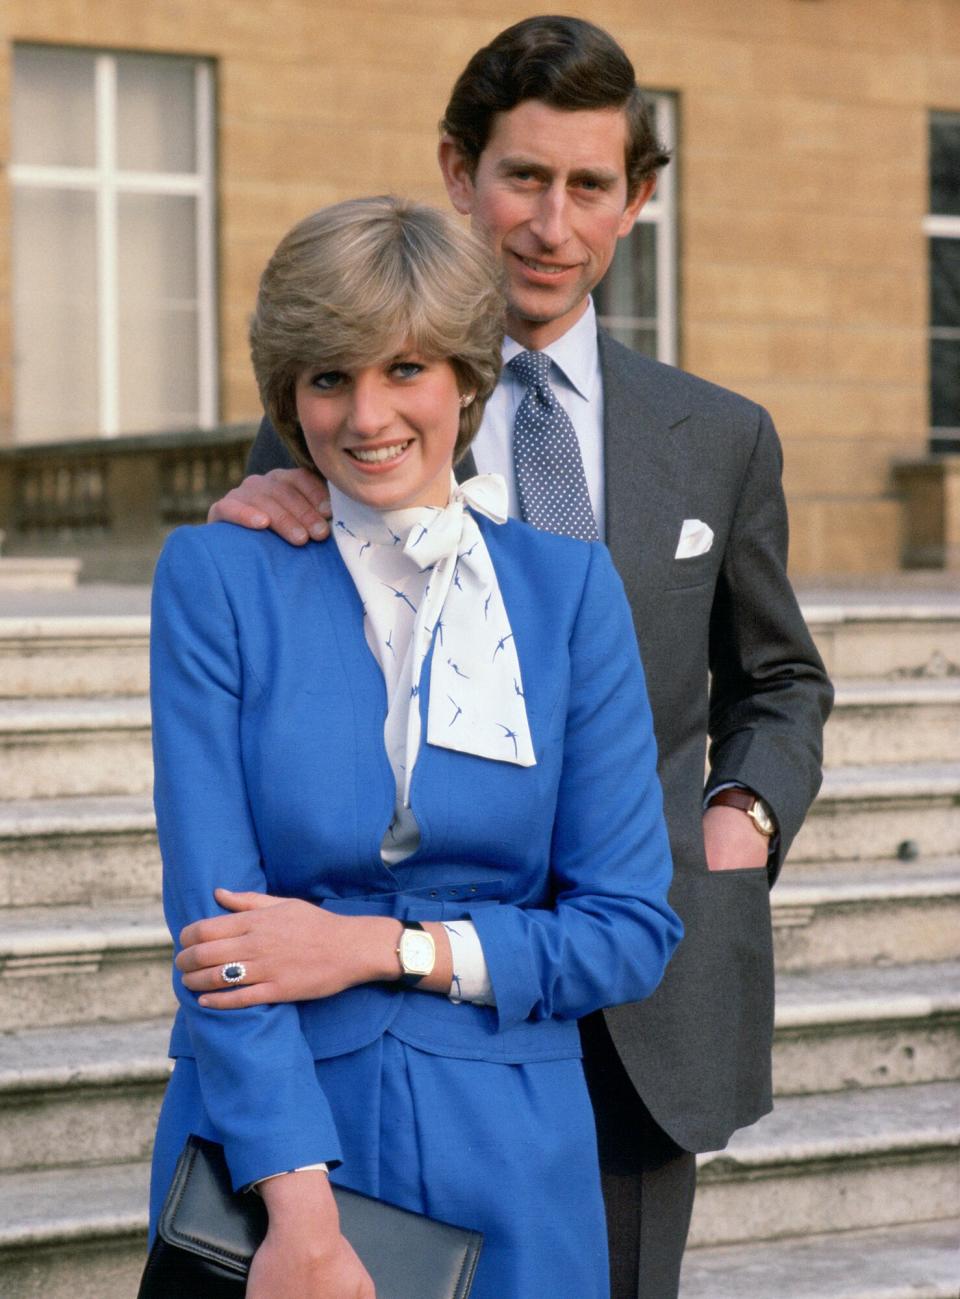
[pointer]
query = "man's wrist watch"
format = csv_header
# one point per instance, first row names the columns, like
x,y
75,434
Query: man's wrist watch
x,y
754,806
417,953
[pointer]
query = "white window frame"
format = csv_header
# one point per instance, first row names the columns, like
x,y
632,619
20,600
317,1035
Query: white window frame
x,y
661,211
107,182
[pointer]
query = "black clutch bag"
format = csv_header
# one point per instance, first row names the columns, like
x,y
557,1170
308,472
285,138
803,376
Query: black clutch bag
x,y
208,1234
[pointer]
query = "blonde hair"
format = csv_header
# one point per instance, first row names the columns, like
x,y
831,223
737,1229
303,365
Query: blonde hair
x,y
357,282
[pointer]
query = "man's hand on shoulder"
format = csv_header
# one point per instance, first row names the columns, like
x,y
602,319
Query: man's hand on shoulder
x,y
732,841
294,503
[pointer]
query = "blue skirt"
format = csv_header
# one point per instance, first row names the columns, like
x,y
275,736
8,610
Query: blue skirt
x,y
506,1149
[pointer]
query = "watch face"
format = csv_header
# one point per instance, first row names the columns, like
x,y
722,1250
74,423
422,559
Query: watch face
x,y
762,817
417,954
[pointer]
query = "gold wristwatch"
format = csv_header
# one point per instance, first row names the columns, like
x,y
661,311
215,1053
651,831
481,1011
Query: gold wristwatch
x,y
754,806
417,953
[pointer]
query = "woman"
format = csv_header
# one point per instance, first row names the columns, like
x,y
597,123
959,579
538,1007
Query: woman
x,y
421,761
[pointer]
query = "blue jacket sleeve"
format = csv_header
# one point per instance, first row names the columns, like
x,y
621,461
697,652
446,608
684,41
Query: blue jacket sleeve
x,y
256,1071
611,931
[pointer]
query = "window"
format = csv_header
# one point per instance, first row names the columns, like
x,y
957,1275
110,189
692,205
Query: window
x,y
943,228
113,238
637,298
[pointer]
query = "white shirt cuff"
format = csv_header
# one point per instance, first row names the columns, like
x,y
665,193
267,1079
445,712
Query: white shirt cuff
x,y
305,1168
471,978
727,784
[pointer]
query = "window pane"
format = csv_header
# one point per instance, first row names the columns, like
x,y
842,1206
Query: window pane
x,y
155,114
945,282
629,288
641,338
55,299
945,164
158,312
945,383
53,107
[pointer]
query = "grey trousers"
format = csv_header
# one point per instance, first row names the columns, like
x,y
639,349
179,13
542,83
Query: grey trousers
x,y
648,1180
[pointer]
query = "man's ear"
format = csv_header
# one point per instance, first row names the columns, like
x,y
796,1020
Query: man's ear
x,y
635,206
457,175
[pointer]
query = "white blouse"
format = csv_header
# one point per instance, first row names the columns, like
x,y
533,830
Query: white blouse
x,y
424,574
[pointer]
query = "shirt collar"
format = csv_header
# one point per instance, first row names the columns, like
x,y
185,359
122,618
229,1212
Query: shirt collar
x,y
574,353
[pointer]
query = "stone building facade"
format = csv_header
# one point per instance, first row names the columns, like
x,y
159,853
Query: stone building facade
x,y
794,264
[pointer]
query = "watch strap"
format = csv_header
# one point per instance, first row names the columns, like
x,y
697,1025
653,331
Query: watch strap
x,y
746,801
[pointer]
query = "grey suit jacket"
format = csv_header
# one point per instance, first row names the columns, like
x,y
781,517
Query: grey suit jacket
x,y
727,655
698,1051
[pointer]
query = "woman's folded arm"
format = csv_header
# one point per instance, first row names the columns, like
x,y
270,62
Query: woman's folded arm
x,y
256,1070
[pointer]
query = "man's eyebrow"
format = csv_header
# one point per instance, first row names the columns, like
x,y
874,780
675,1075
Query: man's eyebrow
x,y
597,175
519,163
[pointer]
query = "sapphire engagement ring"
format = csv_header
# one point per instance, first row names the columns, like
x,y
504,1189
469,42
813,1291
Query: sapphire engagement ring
x,y
234,972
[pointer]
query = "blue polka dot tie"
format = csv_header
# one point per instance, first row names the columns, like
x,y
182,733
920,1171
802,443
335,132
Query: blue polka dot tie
x,y
551,484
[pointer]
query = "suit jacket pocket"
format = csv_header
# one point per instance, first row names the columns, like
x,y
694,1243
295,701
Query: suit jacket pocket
x,y
683,574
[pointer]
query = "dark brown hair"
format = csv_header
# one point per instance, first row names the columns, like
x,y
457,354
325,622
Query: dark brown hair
x,y
566,63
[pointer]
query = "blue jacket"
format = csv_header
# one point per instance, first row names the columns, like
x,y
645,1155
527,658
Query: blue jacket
x,y
271,775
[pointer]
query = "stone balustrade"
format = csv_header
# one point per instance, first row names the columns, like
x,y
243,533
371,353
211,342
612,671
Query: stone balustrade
x,y
111,502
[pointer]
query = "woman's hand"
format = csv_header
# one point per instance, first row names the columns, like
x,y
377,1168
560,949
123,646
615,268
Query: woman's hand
x,y
303,1255
291,950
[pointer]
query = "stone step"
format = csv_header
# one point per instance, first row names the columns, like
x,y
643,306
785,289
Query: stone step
x,y
870,811
78,850
24,573
866,913
78,965
81,1234
94,640
51,657
838,1029
916,1262
894,721
74,1233
66,747
907,634
88,1094
847,1161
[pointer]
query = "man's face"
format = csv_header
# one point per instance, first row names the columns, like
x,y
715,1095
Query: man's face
x,y
549,195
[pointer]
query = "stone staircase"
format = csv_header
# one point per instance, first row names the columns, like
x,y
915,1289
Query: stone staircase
x,y
849,1190
85,999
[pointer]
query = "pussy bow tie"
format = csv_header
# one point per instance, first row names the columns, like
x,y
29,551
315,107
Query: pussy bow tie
x,y
476,703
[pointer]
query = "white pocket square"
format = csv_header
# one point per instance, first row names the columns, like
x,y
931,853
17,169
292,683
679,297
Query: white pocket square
x,y
696,538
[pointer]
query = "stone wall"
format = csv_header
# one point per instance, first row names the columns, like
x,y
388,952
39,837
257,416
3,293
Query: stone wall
x,y
802,180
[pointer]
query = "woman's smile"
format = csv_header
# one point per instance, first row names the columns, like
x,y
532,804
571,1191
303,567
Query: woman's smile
x,y
383,433
377,455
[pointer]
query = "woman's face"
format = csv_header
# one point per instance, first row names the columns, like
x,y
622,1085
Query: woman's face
x,y
384,434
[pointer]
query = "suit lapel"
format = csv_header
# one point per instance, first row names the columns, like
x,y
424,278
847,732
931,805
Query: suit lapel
x,y
642,470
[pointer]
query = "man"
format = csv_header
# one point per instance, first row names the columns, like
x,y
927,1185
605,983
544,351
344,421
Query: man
x,y
548,149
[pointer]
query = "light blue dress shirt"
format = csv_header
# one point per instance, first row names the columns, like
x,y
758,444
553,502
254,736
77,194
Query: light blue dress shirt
x,y
576,381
